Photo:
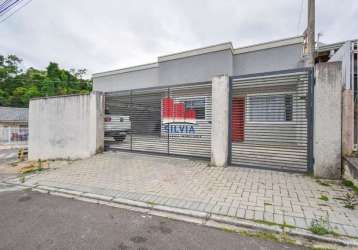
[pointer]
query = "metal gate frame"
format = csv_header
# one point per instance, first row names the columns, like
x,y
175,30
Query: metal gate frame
x,y
309,114
168,89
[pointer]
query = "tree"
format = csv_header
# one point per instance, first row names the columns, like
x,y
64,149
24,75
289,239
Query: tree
x,y
18,87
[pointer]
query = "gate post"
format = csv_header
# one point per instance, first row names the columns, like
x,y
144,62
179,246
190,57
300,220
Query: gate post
x,y
220,121
328,120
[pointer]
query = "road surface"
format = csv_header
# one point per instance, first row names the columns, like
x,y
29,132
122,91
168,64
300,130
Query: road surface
x,y
31,220
8,155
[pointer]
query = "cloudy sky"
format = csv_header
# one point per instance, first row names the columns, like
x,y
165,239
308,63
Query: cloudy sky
x,y
111,34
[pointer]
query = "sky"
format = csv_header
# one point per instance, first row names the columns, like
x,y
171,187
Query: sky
x,y
111,34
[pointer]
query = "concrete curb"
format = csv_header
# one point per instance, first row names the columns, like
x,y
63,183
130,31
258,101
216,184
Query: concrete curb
x,y
187,215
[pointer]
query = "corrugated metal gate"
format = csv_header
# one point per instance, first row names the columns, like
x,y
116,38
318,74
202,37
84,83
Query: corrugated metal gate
x,y
271,120
169,120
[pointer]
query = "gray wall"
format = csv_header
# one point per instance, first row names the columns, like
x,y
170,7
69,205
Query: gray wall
x,y
125,81
66,127
280,58
327,120
200,68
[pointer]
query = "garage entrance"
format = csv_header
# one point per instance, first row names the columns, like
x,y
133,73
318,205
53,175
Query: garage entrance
x,y
167,120
271,120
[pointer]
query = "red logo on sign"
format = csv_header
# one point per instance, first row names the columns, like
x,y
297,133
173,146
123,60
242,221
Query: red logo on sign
x,y
176,112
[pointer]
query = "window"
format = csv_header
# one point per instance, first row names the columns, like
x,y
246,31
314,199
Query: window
x,y
198,105
270,108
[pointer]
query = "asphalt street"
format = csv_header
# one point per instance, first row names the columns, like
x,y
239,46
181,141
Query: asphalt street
x,y
31,220
8,155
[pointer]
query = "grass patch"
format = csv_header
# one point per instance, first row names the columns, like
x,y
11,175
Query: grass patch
x,y
322,183
229,230
260,235
282,238
321,248
270,223
350,184
151,203
324,198
320,226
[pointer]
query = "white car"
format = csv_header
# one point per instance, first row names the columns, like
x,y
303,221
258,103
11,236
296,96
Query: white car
x,y
117,126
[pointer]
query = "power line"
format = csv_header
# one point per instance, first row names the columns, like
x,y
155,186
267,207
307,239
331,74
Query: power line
x,y
8,7
4,19
300,18
5,3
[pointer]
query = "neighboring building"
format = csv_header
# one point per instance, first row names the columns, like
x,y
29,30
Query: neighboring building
x,y
13,117
346,53
13,125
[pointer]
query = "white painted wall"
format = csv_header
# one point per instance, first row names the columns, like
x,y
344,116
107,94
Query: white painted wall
x,y
66,126
327,120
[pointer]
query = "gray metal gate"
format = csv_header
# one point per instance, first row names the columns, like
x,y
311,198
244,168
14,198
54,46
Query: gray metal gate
x,y
168,120
271,120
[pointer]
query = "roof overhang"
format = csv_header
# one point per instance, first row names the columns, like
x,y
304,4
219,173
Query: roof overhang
x,y
270,45
196,52
206,50
125,70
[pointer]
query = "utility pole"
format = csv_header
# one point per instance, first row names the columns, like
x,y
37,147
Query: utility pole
x,y
310,35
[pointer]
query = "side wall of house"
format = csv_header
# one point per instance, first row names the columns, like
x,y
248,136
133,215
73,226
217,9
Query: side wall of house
x,y
124,81
199,68
67,127
273,59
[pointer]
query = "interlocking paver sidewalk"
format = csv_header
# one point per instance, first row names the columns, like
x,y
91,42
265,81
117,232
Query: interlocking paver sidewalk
x,y
253,194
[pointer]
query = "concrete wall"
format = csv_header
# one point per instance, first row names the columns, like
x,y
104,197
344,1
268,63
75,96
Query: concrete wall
x,y
199,68
66,127
347,122
220,121
124,81
327,120
273,59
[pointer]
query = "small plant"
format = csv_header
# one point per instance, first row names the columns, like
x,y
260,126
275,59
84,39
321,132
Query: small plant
x,y
320,226
350,200
39,166
322,183
270,223
347,183
22,179
229,230
324,198
151,203
260,235
350,184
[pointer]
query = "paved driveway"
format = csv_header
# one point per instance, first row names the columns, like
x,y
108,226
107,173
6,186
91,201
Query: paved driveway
x,y
252,194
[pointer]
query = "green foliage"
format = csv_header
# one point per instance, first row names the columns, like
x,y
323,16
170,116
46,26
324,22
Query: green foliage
x,y
324,198
350,184
320,226
17,87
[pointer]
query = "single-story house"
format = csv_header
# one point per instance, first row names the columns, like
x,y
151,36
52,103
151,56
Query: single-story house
x,y
169,102
14,117
13,124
